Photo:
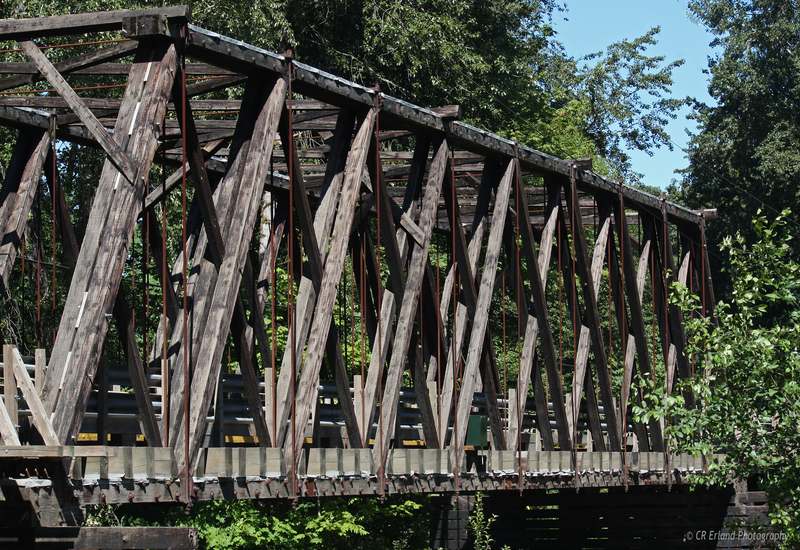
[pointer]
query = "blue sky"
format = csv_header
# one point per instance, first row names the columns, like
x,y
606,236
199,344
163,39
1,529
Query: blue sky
x,y
589,25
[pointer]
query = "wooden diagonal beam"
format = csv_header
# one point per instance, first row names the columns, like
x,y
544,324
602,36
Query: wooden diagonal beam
x,y
667,275
540,307
17,195
528,354
123,317
636,317
242,333
38,413
573,404
481,317
84,61
408,308
308,385
8,430
109,144
255,166
467,308
98,272
203,273
335,173
592,314
395,251
315,264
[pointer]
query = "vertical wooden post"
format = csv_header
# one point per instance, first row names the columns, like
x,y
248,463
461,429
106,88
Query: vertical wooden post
x,y
40,363
10,384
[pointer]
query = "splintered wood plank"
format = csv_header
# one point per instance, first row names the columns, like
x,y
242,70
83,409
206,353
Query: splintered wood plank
x,y
112,219
41,419
112,148
308,385
554,381
17,194
592,314
408,309
481,316
255,166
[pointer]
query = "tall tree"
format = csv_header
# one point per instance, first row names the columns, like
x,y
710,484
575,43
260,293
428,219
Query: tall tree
x,y
746,154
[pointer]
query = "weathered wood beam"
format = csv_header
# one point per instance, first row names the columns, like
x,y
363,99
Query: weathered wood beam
x,y
554,381
17,194
573,405
203,273
408,310
40,417
481,314
11,419
315,266
466,259
255,164
136,370
592,313
635,307
71,65
123,317
99,268
395,247
664,264
109,144
8,429
102,21
528,353
307,293
242,332
308,386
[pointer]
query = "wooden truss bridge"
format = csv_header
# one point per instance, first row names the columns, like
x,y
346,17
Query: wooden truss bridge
x,y
289,284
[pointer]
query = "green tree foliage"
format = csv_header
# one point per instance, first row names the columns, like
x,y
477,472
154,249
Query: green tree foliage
x,y
748,365
746,154
500,60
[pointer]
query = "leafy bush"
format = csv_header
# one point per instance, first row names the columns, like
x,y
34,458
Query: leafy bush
x,y
748,373
331,523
